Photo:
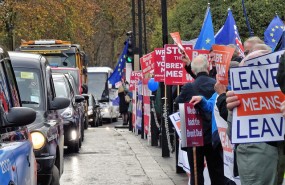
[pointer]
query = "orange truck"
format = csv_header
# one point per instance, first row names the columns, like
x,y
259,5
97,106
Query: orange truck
x,y
60,53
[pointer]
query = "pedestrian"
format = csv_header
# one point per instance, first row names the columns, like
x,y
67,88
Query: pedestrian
x,y
257,162
124,104
203,85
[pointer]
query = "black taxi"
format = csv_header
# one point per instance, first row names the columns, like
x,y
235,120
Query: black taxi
x,y
35,83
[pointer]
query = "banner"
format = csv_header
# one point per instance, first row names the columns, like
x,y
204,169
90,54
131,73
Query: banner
x,y
147,64
270,58
175,120
191,126
134,107
177,40
228,152
139,107
174,67
146,105
159,64
135,77
258,118
222,57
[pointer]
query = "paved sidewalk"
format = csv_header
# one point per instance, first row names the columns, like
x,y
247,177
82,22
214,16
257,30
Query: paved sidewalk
x,y
159,170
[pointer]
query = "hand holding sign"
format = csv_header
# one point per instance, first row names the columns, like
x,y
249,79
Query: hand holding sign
x,y
232,100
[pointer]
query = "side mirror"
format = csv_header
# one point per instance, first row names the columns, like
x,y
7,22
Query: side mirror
x,y
79,98
59,103
20,116
96,106
86,96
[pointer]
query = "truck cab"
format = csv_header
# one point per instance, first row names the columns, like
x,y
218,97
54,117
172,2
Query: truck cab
x,y
17,160
34,79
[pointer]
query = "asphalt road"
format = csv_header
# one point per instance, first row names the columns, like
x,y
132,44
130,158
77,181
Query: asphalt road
x,y
116,156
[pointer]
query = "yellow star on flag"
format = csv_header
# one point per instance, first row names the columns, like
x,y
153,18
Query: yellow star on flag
x,y
208,41
273,29
273,40
271,34
276,26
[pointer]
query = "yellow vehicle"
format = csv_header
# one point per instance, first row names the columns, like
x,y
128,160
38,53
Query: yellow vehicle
x,y
60,54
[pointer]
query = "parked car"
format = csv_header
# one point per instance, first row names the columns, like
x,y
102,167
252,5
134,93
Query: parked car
x,y
71,115
74,78
35,84
94,112
17,160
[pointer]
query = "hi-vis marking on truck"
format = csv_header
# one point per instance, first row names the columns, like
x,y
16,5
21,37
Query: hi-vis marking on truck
x,y
5,165
43,51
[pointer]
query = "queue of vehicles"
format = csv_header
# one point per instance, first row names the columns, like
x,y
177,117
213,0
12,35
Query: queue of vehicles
x,y
44,106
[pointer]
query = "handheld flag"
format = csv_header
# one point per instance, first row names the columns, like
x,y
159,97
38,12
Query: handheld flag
x,y
273,33
206,38
228,34
118,72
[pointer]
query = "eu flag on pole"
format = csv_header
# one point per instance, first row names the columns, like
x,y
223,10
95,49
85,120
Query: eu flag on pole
x,y
228,34
273,33
118,72
207,37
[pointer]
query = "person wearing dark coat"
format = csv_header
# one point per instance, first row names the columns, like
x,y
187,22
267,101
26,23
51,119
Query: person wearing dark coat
x,y
123,105
203,85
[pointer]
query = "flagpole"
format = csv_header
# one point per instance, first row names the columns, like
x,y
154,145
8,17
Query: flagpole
x,y
246,20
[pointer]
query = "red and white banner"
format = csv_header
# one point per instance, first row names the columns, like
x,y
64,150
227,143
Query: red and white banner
x,y
159,64
146,105
147,64
174,67
135,77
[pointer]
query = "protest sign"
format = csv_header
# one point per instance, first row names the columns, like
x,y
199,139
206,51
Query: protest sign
x,y
258,118
146,105
176,38
175,120
147,64
270,58
174,67
135,77
222,58
134,103
191,125
228,152
139,107
159,69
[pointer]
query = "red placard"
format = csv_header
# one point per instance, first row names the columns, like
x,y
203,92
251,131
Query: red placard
x,y
147,64
159,65
146,105
222,57
174,65
194,127
135,77
177,39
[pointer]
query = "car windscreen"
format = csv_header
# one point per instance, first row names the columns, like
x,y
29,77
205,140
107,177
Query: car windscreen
x,y
73,73
30,87
61,60
97,85
61,89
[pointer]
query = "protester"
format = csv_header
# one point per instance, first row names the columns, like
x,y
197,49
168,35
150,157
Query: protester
x,y
257,162
203,85
124,105
187,61
236,55
250,43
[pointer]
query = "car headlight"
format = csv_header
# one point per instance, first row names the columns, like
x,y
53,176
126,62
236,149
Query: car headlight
x,y
38,140
105,110
67,113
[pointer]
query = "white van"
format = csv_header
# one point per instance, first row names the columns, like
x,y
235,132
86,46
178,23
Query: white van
x,y
99,86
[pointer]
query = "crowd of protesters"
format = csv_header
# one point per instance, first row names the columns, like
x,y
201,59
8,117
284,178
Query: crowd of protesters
x,y
255,163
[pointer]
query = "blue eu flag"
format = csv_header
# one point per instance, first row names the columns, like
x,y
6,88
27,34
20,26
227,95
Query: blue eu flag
x,y
116,76
228,34
273,33
206,38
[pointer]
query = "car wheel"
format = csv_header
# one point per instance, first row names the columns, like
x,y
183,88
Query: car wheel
x,y
80,143
55,176
85,123
74,147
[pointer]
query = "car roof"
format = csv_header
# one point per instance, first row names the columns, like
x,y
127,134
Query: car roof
x,y
99,69
64,68
21,59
